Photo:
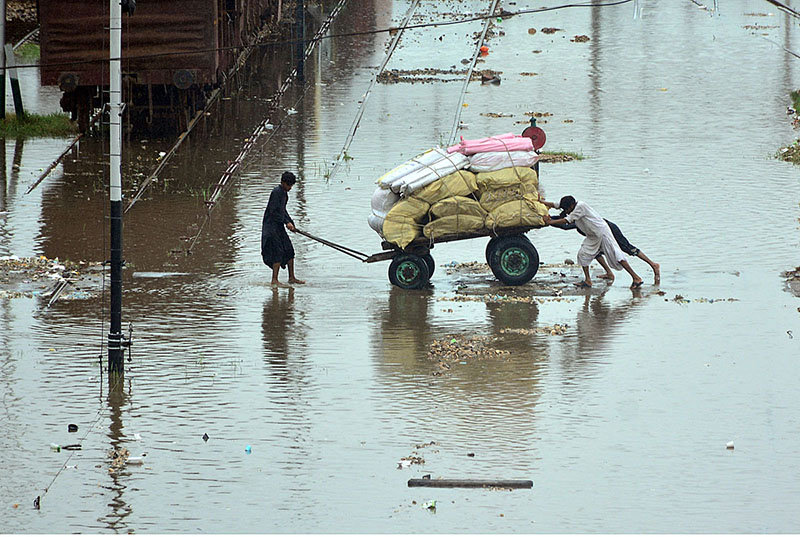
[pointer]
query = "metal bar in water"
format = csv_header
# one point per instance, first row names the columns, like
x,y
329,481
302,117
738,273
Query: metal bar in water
x,y
472,483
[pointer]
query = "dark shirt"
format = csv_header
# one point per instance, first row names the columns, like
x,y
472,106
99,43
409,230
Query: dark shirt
x,y
276,208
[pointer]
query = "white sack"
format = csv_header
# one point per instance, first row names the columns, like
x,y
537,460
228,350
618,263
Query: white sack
x,y
497,160
382,201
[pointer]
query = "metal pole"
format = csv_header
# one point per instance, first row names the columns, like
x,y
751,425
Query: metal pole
x,y
115,352
301,39
2,59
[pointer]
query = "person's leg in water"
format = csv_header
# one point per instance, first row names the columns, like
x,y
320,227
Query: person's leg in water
x,y
637,281
655,266
630,249
587,279
609,276
292,277
276,268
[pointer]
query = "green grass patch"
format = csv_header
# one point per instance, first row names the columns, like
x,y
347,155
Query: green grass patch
x,y
560,156
36,125
795,95
29,52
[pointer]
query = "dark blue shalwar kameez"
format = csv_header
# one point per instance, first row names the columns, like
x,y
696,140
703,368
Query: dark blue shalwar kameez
x,y
276,247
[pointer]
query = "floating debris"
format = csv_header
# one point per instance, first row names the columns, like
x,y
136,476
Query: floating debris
x,y
555,330
551,30
580,39
462,349
119,457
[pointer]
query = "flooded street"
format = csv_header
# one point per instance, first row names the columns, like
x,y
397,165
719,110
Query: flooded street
x,y
621,421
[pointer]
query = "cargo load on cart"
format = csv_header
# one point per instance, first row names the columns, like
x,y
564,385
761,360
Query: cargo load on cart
x,y
484,187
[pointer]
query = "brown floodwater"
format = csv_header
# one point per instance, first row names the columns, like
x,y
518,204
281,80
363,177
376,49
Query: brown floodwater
x,y
621,422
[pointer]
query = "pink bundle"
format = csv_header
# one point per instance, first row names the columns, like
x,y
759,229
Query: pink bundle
x,y
503,142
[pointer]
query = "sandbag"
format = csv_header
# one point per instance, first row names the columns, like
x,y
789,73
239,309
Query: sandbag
x,y
403,223
426,175
428,157
519,213
376,223
457,223
497,160
506,177
492,199
503,142
457,205
382,201
460,183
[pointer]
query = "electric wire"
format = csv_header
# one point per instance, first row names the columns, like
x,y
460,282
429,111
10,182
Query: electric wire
x,y
360,112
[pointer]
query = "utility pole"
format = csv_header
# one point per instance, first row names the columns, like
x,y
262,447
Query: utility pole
x,y
3,58
115,351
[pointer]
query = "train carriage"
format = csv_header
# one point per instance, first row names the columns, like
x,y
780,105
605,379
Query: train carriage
x,y
174,52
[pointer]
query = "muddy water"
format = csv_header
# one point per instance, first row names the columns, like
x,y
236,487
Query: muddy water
x,y
622,422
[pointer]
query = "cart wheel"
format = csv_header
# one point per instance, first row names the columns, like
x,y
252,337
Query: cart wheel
x,y
490,247
431,264
514,260
409,271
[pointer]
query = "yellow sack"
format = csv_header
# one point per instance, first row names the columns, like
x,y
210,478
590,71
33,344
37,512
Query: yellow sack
x,y
457,223
403,222
460,183
519,213
506,177
457,205
492,199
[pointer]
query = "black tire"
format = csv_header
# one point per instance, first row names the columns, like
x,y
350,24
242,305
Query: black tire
x,y
514,260
431,264
490,247
409,271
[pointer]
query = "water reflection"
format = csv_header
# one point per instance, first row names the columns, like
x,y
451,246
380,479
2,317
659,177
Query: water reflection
x,y
277,319
119,508
597,324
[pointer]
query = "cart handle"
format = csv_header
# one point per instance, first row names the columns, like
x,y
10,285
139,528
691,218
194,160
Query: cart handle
x,y
344,249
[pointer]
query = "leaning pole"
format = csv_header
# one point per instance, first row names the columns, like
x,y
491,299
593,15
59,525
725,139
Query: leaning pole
x,y
115,351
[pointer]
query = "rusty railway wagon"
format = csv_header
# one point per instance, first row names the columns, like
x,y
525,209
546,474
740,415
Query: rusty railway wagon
x,y
174,52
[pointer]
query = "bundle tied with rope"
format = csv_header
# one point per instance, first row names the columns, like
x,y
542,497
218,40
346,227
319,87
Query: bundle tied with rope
x,y
418,198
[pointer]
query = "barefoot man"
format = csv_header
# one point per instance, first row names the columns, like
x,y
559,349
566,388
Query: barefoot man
x,y
599,238
624,245
276,247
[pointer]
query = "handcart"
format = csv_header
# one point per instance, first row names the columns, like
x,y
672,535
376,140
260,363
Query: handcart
x,y
511,256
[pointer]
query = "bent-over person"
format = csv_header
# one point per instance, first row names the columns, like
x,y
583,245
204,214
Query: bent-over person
x,y
599,238
276,247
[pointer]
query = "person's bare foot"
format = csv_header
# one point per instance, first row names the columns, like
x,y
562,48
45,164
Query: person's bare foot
x,y
657,272
605,276
583,285
276,285
637,283
298,282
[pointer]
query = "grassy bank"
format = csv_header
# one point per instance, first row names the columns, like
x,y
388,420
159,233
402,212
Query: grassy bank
x,y
35,125
29,52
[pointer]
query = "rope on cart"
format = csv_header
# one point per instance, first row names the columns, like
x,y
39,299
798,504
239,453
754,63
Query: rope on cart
x,y
344,249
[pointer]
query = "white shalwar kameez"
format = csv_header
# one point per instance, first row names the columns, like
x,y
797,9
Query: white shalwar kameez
x,y
599,238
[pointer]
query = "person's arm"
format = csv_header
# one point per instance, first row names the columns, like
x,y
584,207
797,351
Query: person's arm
x,y
549,221
548,204
286,218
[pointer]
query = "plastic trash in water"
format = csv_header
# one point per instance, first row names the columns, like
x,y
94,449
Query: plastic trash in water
x,y
248,449
205,437
72,428
55,447
136,461
729,445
